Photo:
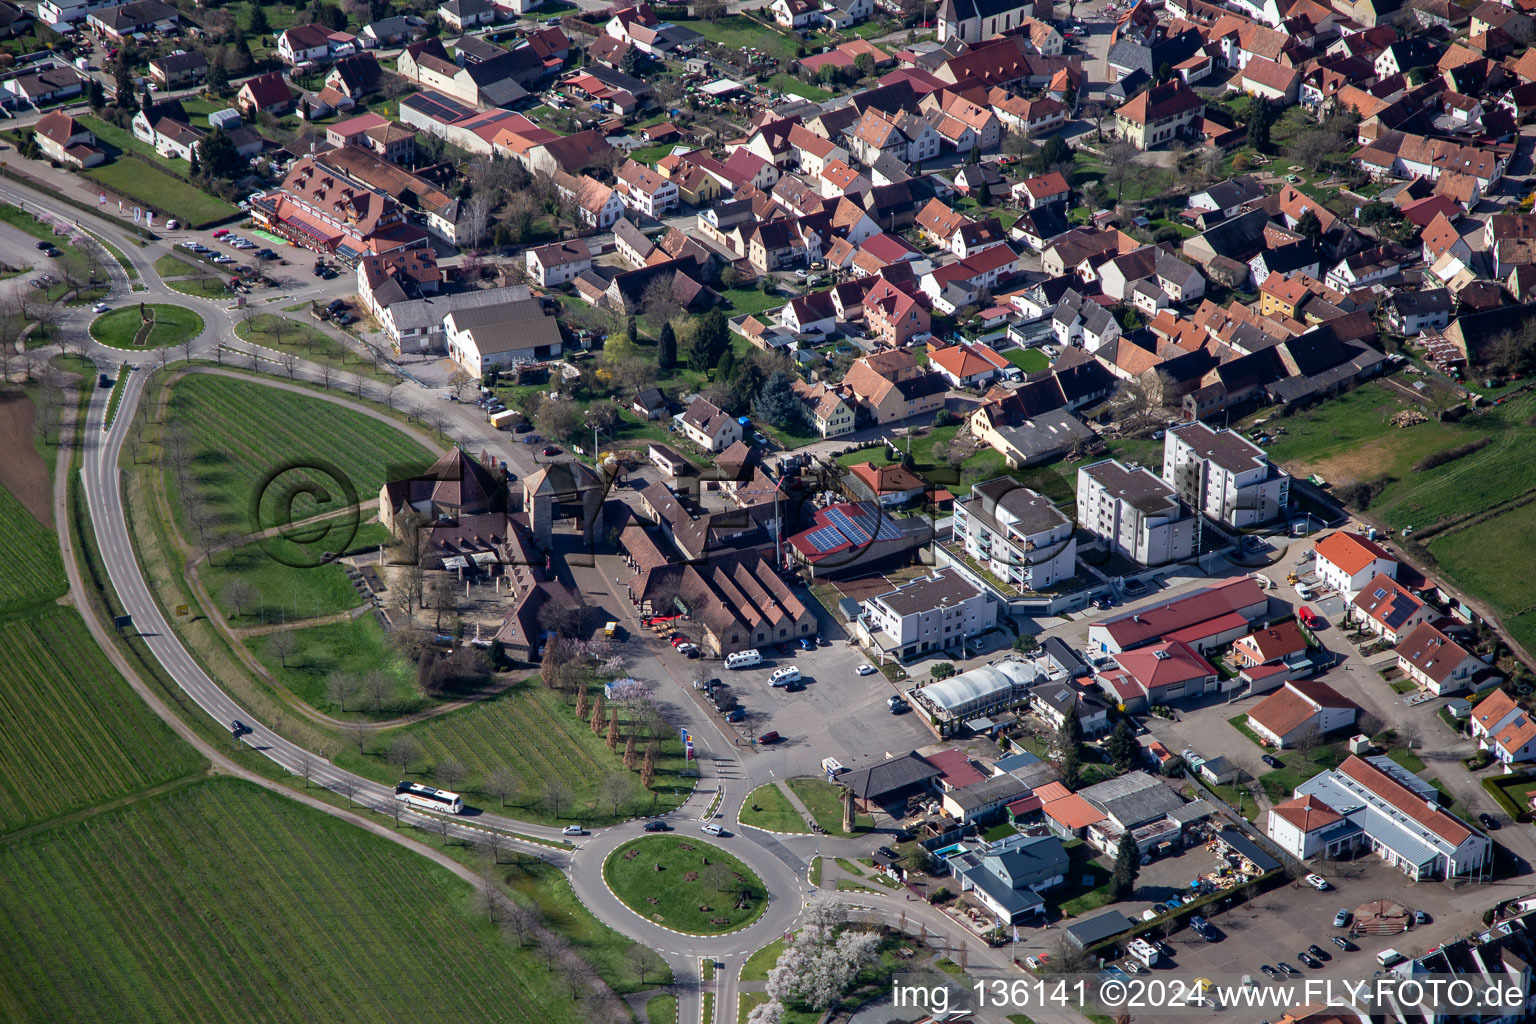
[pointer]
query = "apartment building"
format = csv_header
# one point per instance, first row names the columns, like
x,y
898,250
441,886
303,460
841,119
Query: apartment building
x,y
933,613
1135,513
1224,475
1016,533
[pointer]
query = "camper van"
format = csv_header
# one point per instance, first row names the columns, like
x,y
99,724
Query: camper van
x,y
743,659
1145,952
784,676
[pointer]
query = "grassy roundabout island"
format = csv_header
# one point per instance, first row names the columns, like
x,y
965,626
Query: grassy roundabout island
x,y
685,884
120,327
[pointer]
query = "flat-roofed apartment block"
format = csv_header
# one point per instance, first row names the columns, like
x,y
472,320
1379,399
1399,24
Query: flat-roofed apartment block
x,y
933,613
1016,533
1225,475
1136,514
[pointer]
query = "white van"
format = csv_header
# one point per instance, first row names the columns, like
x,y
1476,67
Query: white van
x,y
1389,958
743,659
784,676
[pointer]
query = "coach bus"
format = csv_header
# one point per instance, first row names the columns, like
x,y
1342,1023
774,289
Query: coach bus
x,y
428,799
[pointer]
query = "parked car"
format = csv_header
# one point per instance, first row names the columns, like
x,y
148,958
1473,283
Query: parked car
x,y
1287,968
1419,917
1317,882
1310,961
771,736
760,438
1489,822
866,670
1341,919
220,232
901,707
1269,971
550,449
522,427
806,645
1271,760
887,852
44,246
1317,951
345,319
1343,943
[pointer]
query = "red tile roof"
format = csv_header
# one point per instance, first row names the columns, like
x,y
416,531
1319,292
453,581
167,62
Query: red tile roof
x,y
1307,813
1351,552
1405,800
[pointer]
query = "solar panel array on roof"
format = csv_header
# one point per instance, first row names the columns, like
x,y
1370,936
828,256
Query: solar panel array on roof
x,y
439,108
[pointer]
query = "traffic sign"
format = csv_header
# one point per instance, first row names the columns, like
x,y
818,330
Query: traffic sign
x,y
123,622
183,610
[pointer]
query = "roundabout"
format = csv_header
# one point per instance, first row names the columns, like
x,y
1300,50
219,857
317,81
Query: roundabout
x,y
124,327
685,885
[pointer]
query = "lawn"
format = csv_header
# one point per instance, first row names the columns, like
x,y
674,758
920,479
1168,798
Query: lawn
x,y
1473,559
1087,883
1030,360
746,1002
767,807
685,884
240,433
760,963
750,300
222,901
285,588
353,648
531,732
795,87
662,1009
120,327
202,287
651,154
612,956
174,266
72,734
287,334
736,32
143,183
824,800
1240,723
1299,767
19,218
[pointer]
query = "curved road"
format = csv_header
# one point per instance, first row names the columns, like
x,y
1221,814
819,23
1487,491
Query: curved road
x,y
781,861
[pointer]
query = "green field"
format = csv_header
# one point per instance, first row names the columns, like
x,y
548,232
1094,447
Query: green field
x,y
1351,438
221,901
773,810
173,325
352,648
530,731
286,334
174,266
824,802
138,180
1300,766
761,962
71,732
722,896
661,1009
239,433
1475,560
30,552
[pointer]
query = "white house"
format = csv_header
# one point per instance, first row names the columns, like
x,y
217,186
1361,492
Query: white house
x,y
795,14
644,190
1504,729
709,426
931,613
1438,663
558,262
1299,710
304,43
1018,534
502,334
1348,561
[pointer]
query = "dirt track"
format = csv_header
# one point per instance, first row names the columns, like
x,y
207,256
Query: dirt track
x,y
22,470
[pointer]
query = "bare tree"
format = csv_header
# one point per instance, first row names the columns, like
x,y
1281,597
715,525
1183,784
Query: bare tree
x,y
282,645
355,733
327,375
556,792
495,844
395,809
347,787
451,772
402,751
289,362
616,788
444,827
376,689
501,784
306,766
339,688
515,922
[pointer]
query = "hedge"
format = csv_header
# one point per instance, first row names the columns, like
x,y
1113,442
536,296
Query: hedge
x,y
1496,785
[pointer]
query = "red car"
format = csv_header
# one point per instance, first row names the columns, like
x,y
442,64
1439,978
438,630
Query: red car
x,y
679,640
551,450
1307,617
